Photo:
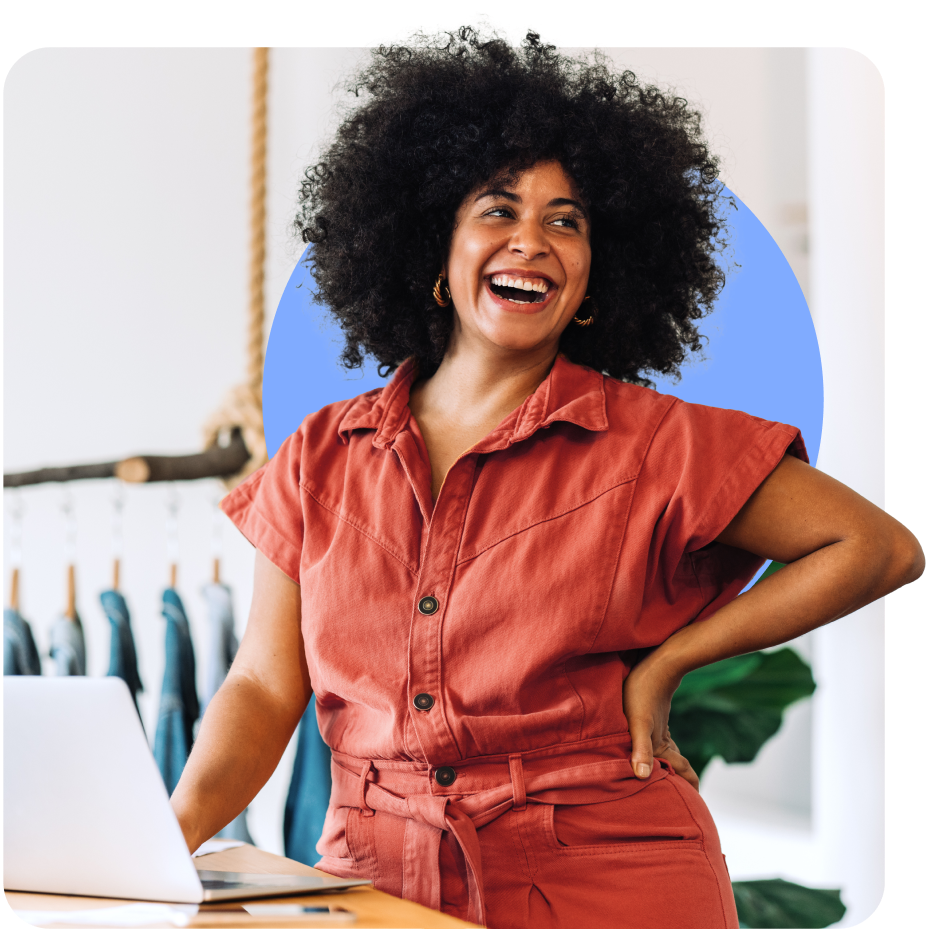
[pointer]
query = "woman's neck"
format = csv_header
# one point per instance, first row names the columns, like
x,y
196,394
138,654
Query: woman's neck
x,y
474,390
467,398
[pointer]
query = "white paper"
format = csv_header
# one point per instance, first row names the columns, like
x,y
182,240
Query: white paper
x,y
133,914
216,845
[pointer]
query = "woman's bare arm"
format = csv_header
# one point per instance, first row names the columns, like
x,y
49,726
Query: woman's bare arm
x,y
250,720
840,551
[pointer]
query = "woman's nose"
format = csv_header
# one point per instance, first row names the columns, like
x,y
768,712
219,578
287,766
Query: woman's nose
x,y
529,241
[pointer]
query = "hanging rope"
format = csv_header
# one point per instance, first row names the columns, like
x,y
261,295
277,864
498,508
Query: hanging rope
x,y
258,215
243,405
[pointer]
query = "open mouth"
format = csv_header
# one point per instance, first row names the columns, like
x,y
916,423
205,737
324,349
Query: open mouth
x,y
519,290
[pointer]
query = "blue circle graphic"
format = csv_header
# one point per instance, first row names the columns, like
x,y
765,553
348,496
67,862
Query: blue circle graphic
x,y
762,355
302,372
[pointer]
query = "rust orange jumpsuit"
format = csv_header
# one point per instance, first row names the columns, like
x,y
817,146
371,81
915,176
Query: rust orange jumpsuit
x,y
468,657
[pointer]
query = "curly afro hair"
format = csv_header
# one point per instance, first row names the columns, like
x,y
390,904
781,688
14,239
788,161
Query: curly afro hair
x,y
439,118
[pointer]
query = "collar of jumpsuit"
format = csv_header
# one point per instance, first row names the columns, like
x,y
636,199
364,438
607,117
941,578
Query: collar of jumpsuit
x,y
570,393
468,657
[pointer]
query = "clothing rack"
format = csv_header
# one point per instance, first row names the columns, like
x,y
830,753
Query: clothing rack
x,y
217,461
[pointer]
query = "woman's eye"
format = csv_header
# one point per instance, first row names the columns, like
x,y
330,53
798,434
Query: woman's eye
x,y
569,222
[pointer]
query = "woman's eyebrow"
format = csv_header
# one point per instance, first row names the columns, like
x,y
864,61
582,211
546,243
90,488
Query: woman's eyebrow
x,y
505,194
563,201
509,195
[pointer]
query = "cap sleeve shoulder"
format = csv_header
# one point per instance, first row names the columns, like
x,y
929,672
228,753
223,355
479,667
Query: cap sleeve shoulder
x,y
718,458
268,507
702,466
267,510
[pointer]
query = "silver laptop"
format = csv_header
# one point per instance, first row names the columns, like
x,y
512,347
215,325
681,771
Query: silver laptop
x,y
85,810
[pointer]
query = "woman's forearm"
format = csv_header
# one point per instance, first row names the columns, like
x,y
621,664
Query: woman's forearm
x,y
247,725
840,553
243,735
823,586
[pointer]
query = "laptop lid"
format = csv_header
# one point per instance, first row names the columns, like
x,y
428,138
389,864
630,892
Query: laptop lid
x,y
85,809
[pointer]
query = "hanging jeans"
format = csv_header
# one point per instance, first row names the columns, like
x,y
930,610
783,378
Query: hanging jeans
x,y
68,646
178,708
19,649
123,660
215,664
308,797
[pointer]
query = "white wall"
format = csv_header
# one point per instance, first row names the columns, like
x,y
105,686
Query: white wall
x,y
126,241
125,248
846,122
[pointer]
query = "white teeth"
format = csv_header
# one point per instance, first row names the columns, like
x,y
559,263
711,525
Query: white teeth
x,y
537,285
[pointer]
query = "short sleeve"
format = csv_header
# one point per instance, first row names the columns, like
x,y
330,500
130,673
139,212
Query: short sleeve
x,y
703,464
267,508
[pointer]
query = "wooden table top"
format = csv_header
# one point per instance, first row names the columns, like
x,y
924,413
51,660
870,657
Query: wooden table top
x,y
374,909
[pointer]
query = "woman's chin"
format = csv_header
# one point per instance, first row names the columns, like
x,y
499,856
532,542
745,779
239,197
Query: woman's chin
x,y
521,339
512,331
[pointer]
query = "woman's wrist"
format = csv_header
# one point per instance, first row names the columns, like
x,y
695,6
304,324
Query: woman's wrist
x,y
190,829
668,662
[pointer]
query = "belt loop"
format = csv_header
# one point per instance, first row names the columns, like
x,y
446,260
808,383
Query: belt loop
x,y
516,778
366,809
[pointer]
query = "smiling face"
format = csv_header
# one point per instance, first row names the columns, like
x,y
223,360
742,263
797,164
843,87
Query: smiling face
x,y
519,262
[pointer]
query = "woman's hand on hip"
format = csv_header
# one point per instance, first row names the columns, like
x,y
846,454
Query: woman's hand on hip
x,y
840,551
646,701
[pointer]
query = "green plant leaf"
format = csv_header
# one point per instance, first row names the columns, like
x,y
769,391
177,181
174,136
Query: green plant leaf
x,y
737,737
731,708
780,904
781,678
718,674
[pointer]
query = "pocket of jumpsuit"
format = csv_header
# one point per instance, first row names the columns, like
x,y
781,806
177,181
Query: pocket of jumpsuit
x,y
332,843
367,845
652,858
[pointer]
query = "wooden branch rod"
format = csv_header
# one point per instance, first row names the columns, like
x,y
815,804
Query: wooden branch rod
x,y
217,461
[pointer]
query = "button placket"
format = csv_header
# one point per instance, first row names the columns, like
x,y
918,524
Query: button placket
x,y
434,582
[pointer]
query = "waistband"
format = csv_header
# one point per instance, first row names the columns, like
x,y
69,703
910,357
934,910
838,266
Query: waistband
x,y
482,789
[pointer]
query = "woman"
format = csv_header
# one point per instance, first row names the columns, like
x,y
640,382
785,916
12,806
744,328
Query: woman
x,y
495,571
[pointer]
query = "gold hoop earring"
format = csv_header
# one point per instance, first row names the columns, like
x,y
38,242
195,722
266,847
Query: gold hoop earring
x,y
441,293
592,314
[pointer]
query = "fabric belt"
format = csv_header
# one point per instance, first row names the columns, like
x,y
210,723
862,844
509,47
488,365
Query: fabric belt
x,y
591,771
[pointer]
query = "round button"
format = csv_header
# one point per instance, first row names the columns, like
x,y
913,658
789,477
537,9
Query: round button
x,y
423,701
427,605
446,776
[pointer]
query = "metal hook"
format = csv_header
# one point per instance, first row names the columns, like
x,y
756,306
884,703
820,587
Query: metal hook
x,y
68,507
16,528
217,536
118,505
16,548
171,529
118,495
